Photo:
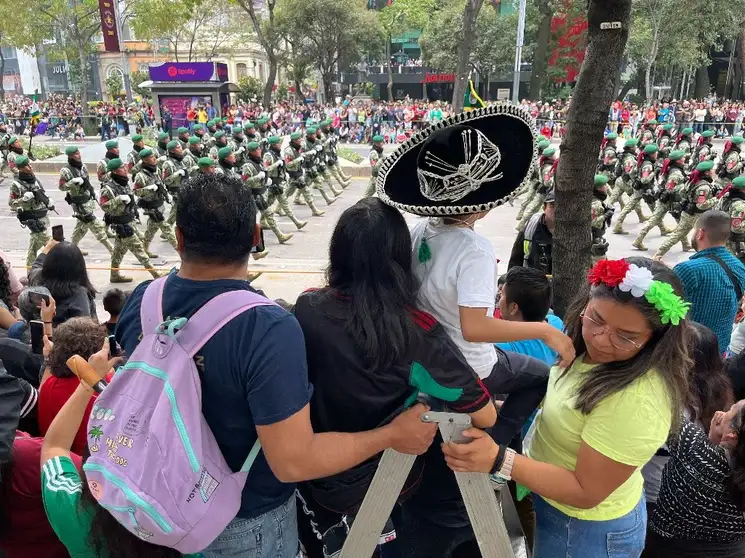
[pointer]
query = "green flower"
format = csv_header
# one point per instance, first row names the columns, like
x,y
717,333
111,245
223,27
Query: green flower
x,y
671,307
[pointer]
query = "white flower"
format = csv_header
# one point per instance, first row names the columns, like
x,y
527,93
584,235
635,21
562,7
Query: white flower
x,y
637,281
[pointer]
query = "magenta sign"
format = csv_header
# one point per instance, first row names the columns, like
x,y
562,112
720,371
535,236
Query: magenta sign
x,y
189,71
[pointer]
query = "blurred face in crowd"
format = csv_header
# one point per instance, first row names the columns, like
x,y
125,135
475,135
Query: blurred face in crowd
x,y
613,331
724,425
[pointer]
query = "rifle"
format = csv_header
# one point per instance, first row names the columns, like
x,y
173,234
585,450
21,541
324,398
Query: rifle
x,y
30,140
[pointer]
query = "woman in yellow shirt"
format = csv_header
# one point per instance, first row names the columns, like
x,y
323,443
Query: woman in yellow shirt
x,y
603,417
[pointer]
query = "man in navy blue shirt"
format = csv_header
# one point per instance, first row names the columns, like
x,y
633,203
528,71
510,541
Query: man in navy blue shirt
x,y
253,374
712,277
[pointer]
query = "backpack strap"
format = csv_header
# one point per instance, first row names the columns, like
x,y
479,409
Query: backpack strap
x,y
151,307
211,317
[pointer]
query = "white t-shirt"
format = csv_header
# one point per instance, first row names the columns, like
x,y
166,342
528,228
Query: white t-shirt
x,y
461,272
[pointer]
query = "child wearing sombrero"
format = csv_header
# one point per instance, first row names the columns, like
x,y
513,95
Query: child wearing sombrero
x,y
455,172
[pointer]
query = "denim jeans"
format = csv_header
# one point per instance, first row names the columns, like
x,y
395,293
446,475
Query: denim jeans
x,y
559,536
272,535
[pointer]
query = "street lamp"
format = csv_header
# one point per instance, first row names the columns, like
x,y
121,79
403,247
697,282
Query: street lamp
x,y
518,53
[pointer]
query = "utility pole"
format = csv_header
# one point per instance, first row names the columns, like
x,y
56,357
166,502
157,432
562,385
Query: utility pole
x,y
518,53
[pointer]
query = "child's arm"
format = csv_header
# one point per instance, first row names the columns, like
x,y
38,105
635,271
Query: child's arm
x,y
477,327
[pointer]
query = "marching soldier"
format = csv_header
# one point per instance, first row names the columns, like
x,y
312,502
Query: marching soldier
x,y
533,181
730,164
151,196
255,177
683,143
698,198
376,159
198,132
547,164
608,156
226,162
704,150
31,204
112,152
624,182
173,173
162,147
294,163
601,216
673,181
238,143
249,130
334,165
323,175
312,152
133,157
192,156
218,142
328,156
120,212
14,151
275,168
74,180
183,137
734,203
207,165
665,141
647,133
4,138
642,184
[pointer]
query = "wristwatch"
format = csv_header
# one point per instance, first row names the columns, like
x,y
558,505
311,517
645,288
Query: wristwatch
x,y
503,463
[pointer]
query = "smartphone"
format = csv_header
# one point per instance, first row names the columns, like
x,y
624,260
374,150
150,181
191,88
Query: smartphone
x,y
260,247
37,337
36,299
58,233
114,350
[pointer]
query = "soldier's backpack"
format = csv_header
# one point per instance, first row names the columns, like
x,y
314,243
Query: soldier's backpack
x,y
155,464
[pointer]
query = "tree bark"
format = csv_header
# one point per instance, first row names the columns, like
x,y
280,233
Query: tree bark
x,y
269,85
388,66
470,13
586,121
701,89
540,56
83,56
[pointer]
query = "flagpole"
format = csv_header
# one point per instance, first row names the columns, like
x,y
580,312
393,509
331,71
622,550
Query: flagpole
x,y
518,53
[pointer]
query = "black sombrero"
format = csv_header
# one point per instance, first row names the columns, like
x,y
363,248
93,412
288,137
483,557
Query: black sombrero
x,y
468,163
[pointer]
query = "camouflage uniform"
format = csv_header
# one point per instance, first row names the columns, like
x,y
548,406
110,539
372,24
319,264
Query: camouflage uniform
x,y
532,183
216,145
375,158
600,218
646,134
609,158
665,142
329,159
82,199
624,180
4,150
191,162
323,177
642,185
183,138
335,157
684,142
31,205
173,173
120,211
733,203
275,169
12,156
547,164
730,164
294,165
704,150
152,196
239,149
254,177
133,163
312,150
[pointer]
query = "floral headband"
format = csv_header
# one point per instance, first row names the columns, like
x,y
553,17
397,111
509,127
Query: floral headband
x,y
630,278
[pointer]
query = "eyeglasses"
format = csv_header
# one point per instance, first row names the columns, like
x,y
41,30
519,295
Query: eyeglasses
x,y
618,341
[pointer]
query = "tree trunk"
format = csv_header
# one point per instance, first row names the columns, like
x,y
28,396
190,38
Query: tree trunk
x,y
269,85
701,89
470,14
388,66
541,50
586,121
83,56
488,86
299,91
328,91
640,88
648,93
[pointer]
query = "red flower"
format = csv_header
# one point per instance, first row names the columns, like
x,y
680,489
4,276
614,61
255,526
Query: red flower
x,y
608,272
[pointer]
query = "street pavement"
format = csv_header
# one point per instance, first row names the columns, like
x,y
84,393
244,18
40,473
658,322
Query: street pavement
x,y
291,268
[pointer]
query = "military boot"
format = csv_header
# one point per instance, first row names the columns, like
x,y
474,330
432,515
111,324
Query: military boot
x,y
618,229
259,255
325,196
638,244
117,277
299,200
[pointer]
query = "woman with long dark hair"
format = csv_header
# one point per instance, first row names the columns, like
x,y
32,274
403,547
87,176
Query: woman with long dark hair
x,y
60,267
370,353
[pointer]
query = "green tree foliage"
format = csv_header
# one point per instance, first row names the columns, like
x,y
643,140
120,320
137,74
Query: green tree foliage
x,y
249,88
114,84
136,78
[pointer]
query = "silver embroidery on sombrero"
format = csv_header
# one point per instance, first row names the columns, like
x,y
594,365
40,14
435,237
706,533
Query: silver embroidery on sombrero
x,y
480,166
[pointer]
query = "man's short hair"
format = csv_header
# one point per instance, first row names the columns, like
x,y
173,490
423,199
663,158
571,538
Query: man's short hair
x,y
530,290
113,301
716,224
216,215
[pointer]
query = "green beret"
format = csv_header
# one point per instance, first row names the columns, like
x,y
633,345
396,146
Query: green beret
x,y
705,166
273,140
667,127
686,131
206,162
737,140
262,121
237,130
173,144
378,139
248,124
21,161
676,155
652,121
12,140
219,134
294,136
182,130
543,145
114,164
253,146
540,137
611,136
633,142
146,153
162,136
137,137
708,133
310,131
111,144
650,148
194,140
739,183
549,152
70,149
224,152
601,180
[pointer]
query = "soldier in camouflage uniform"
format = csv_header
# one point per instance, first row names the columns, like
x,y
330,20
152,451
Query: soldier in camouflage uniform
x,y
198,132
226,163
294,163
207,165
665,142
730,164
151,196
312,150
173,172
697,198
112,152
4,138
120,211
328,156
643,178
547,165
183,137
14,151
608,156
209,138
601,216
192,156
704,150
219,140
532,182
133,157
249,130
30,203
672,180
733,203
274,166
323,173
238,143
624,180
684,142
161,149
647,133
375,158
74,180
255,177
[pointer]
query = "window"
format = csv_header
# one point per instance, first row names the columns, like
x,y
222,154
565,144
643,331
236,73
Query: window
x,y
241,70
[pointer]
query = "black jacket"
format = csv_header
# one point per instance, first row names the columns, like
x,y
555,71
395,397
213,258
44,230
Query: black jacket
x,y
540,251
17,400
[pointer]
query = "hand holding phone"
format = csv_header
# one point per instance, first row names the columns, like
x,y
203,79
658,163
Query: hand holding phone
x,y
37,336
58,233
